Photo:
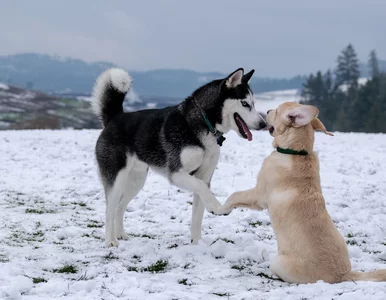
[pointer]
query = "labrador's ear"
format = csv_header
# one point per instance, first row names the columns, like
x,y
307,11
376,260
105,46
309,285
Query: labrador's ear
x,y
318,125
300,115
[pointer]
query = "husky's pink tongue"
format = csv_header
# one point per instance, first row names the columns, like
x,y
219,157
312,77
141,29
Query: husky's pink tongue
x,y
247,132
245,128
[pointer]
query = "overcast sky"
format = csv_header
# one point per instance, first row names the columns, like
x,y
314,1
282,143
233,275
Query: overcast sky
x,y
277,38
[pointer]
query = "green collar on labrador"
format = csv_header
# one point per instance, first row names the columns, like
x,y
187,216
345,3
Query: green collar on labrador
x,y
291,151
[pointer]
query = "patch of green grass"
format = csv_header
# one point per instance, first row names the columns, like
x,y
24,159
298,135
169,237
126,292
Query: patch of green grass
x,y
141,236
21,236
223,239
94,224
158,267
267,276
3,258
91,236
39,211
84,277
69,269
37,280
352,242
238,267
39,200
133,269
37,236
184,281
350,235
255,224
110,256
79,203
221,294
244,264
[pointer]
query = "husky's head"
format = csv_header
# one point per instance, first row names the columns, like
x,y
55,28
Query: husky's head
x,y
238,109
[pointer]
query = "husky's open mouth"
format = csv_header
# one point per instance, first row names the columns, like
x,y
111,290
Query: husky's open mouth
x,y
243,127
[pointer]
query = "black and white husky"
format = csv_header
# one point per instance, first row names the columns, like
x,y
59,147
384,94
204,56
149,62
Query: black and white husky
x,y
181,142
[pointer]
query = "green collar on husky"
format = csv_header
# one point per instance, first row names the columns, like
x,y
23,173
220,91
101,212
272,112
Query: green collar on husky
x,y
291,151
218,134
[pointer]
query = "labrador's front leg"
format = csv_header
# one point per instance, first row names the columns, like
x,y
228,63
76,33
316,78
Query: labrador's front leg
x,y
249,199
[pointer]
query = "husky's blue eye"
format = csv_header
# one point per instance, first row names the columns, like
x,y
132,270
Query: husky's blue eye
x,y
245,104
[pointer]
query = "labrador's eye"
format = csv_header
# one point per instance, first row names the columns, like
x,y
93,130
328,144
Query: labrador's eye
x,y
245,104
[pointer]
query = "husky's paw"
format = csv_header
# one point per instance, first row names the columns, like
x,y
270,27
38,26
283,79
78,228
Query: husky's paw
x,y
195,240
223,210
122,236
112,243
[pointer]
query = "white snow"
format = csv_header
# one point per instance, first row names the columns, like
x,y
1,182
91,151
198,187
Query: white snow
x,y
361,81
84,98
132,97
151,105
3,86
52,214
271,100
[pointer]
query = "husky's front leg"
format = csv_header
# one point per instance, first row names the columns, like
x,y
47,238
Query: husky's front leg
x,y
197,215
184,180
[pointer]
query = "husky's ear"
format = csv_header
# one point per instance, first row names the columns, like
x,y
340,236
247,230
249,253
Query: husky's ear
x,y
248,76
235,78
301,115
318,125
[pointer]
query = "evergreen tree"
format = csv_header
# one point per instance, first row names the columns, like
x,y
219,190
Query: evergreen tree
x,y
347,71
307,90
353,108
330,106
312,91
373,64
328,83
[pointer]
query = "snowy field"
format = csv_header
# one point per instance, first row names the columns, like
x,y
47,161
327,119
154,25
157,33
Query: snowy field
x,y
52,224
269,100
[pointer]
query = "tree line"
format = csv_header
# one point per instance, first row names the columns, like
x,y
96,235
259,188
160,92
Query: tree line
x,y
344,103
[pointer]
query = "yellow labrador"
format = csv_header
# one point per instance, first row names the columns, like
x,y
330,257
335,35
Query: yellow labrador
x,y
310,248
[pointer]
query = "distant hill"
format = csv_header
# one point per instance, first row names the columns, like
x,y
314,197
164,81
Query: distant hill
x,y
30,109
26,109
67,76
53,74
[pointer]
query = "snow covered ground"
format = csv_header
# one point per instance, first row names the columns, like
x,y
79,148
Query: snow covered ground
x,y
52,224
361,81
3,86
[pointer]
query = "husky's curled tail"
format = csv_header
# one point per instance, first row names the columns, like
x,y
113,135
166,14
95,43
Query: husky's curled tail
x,y
109,93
